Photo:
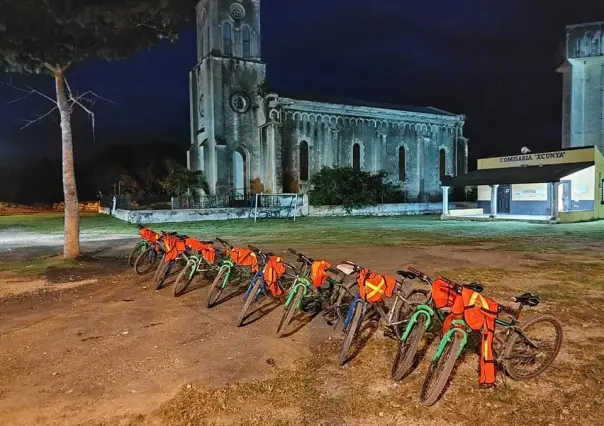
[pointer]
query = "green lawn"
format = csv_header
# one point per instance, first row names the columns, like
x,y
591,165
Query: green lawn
x,y
409,230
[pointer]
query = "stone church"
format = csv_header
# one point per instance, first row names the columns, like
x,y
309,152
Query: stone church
x,y
583,86
246,138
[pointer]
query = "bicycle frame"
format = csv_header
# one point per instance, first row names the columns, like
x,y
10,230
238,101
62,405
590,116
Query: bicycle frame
x,y
298,282
457,325
228,265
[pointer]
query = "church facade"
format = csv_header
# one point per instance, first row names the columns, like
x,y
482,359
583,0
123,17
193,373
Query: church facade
x,y
583,86
246,138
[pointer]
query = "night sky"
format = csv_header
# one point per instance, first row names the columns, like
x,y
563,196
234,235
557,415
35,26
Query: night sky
x,y
494,61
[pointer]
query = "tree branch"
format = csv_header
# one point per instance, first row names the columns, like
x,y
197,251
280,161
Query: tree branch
x,y
76,101
29,91
41,117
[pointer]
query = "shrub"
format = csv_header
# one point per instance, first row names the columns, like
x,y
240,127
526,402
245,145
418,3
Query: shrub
x,y
352,189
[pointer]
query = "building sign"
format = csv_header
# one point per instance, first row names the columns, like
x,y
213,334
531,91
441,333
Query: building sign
x,y
585,40
529,192
539,159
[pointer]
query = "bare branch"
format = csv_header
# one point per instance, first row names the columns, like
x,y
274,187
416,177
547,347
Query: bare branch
x,y
28,91
41,117
76,101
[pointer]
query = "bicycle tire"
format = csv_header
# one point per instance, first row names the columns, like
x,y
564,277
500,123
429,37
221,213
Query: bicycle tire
x,y
440,372
514,338
353,329
408,349
143,266
290,311
159,267
161,276
345,290
216,288
185,278
407,308
249,301
135,253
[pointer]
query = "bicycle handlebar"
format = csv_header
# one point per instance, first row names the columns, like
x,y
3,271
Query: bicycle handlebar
x,y
301,257
254,249
224,243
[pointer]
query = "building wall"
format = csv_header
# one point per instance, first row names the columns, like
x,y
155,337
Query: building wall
x,y
331,138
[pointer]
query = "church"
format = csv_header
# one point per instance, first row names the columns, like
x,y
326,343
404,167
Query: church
x,y
247,139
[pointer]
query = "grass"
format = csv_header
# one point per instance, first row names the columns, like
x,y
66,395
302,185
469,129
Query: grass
x,y
35,266
395,231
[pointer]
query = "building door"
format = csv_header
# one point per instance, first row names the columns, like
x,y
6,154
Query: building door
x,y
565,195
503,199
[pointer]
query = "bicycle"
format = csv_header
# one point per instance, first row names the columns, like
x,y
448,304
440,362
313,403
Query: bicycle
x,y
257,289
148,238
199,259
173,247
146,260
419,323
394,316
333,299
225,271
516,338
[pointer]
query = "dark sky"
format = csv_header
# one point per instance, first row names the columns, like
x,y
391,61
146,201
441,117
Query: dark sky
x,y
494,61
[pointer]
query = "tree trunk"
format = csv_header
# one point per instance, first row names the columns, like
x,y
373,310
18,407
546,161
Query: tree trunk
x,y
71,247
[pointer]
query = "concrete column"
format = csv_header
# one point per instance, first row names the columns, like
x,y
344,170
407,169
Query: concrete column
x,y
445,200
554,200
494,189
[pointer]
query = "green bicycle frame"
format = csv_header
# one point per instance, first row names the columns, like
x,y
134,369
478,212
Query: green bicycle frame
x,y
424,310
196,261
447,337
226,264
299,282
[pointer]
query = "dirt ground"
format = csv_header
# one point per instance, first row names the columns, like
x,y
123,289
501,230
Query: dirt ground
x,y
92,344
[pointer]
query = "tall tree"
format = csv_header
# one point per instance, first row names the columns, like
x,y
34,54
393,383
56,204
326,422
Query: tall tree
x,y
51,36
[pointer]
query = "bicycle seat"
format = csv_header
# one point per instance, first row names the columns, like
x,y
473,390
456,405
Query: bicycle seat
x,y
527,299
206,242
407,274
477,287
345,268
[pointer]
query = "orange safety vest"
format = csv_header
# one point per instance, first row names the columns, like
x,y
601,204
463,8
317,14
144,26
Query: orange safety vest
x,y
318,272
148,234
373,287
244,257
173,247
273,270
443,293
479,313
208,252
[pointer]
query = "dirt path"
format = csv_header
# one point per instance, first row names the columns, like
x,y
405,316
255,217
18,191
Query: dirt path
x,y
93,344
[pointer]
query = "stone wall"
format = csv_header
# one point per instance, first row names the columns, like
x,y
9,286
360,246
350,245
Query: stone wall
x,y
12,208
402,209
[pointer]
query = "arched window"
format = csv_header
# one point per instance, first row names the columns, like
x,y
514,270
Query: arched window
x,y
227,39
402,164
443,167
246,41
239,172
356,156
304,161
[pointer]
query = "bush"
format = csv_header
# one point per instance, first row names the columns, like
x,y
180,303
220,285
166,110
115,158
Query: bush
x,y
352,189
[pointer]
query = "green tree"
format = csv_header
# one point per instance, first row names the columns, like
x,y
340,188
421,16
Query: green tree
x,y
180,181
352,189
51,36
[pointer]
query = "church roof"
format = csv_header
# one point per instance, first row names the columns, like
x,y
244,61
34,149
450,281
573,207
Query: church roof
x,y
369,104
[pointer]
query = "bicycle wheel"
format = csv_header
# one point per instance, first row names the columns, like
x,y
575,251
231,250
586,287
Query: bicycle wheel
x,y
345,298
408,349
531,351
163,272
439,372
353,328
290,311
184,278
251,298
145,262
159,268
217,286
407,308
136,251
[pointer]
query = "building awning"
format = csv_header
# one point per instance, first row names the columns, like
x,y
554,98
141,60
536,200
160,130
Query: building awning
x,y
512,175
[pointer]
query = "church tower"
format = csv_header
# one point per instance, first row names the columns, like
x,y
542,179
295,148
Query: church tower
x,y
225,88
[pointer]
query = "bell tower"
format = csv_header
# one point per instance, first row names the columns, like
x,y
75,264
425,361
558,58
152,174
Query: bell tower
x,y
225,95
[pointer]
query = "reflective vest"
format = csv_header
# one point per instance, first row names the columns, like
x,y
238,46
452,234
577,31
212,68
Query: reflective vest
x,y
244,257
149,235
443,293
318,272
173,247
273,270
207,251
373,287
479,313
